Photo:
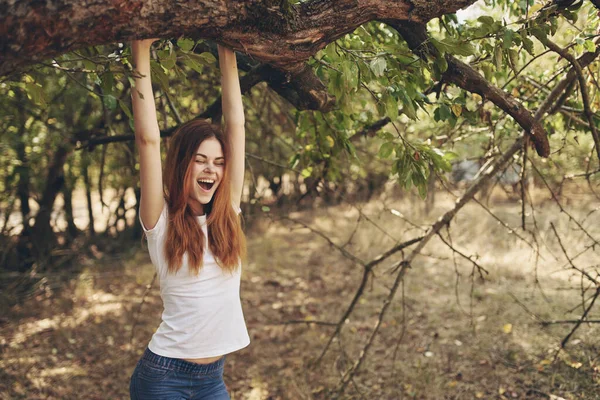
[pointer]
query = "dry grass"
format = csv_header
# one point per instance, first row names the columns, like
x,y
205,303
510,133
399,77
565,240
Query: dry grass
x,y
457,341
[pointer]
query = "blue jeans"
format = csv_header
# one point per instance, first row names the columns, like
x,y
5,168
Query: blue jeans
x,y
163,378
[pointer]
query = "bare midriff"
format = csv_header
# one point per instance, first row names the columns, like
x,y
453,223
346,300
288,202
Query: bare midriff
x,y
207,360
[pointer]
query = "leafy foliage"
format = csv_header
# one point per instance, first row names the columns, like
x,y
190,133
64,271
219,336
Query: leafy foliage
x,y
374,75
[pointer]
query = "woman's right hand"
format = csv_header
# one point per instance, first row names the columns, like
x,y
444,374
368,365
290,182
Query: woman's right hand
x,y
146,42
143,44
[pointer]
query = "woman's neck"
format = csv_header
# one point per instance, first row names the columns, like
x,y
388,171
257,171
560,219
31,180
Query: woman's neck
x,y
197,208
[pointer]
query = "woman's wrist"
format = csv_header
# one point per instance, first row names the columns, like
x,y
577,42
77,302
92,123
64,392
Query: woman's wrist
x,y
227,58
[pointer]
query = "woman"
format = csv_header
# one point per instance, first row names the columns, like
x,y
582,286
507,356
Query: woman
x,y
195,241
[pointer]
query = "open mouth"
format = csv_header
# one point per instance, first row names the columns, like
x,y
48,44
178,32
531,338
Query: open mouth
x,y
206,184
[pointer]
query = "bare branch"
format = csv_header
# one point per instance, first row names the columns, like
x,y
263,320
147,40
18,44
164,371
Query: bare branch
x,y
582,87
583,272
579,322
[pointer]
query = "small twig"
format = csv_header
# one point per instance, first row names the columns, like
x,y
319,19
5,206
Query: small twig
x,y
466,257
139,310
562,209
570,321
173,108
303,321
587,275
522,180
582,88
339,248
524,306
578,323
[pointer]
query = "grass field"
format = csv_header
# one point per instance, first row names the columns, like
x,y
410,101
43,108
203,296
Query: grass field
x,y
446,335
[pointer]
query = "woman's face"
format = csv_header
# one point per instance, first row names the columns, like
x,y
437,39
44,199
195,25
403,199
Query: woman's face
x,y
208,166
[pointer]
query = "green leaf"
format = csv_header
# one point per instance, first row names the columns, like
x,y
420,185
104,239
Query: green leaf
x,y
441,64
486,20
386,150
208,58
450,156
539,33
457,47
336,84
306,172
110,102
90,65
508,39
378,66
487,70
294,160
391,106
498,57
107,82
553,25
350,72
528,45
125,109
589,46
442,113
513,56
408,105
191,63
185,44
158,74
36,93
163,54
169,62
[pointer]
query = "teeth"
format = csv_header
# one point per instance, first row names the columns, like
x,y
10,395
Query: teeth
x,y
206,180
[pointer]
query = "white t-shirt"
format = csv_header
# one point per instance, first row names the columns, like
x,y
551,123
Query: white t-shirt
x,y
202,314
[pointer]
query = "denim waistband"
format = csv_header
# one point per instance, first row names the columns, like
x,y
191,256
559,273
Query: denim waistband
x,y
182,365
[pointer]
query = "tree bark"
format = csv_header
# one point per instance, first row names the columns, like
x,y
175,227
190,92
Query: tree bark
x,y
67,191
272,31
22,170
42,236
88,194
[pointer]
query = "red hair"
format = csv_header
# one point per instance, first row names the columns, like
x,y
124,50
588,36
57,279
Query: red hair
x,y
226,239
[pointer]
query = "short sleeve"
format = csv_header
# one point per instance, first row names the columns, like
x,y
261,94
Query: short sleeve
x,y
160,224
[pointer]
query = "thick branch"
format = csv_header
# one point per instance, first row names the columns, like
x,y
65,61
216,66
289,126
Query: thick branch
x,y
303,89
274,32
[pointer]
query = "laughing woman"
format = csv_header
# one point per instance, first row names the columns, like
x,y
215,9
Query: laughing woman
x,y
192,225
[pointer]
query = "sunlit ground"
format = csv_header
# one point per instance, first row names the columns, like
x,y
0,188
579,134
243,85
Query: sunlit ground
x,y
462,338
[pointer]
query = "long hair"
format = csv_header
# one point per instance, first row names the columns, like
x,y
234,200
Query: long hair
x,y
226,239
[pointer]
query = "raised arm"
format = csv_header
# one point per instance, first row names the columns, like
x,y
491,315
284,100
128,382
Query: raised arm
x,y
233,112
147,135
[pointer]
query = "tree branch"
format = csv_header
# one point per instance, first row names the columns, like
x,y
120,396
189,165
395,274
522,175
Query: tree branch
x,y
274,32
467,78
